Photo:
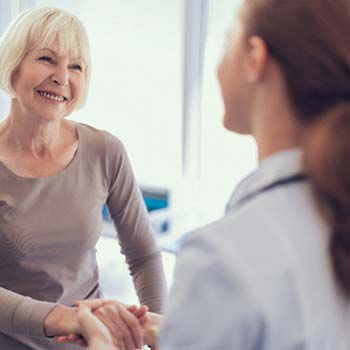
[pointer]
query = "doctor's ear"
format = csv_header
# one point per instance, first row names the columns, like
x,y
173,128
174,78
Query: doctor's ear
x,y
256,59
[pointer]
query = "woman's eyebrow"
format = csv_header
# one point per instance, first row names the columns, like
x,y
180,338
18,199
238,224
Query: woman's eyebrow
x,y
47,49
79,58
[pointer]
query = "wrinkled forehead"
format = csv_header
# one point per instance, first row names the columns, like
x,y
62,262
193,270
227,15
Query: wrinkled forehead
x,y
60,42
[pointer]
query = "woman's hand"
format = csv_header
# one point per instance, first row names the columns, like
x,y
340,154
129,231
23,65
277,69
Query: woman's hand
x,y
94,305
124,326
93,330
61,320
113,320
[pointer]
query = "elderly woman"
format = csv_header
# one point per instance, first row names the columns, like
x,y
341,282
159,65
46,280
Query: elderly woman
x,y
274,273
55,176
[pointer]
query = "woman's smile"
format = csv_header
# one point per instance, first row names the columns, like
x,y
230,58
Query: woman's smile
x,y
52,97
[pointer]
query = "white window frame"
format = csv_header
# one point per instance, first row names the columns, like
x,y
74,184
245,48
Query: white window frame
x,y
195,30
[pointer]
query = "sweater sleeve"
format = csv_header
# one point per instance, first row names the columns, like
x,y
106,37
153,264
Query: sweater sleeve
x,y
22,315
19,314
135,233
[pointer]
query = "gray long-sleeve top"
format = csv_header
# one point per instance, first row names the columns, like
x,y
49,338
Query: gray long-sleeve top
x,y
48,231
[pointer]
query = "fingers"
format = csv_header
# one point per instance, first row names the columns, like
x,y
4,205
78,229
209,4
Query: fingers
x,y
123,325
110,317
134,327
88,322
86,319
61,339
93,329
84,309
132,308
142,311
92,304
125,337
77,340
71,339
143,320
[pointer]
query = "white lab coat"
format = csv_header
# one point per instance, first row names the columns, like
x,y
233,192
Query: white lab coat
x,y
261,277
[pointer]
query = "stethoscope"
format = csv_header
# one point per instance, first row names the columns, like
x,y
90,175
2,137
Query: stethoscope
x,y
279,183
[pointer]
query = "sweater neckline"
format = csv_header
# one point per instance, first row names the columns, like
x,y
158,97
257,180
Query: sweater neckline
x,y
56,175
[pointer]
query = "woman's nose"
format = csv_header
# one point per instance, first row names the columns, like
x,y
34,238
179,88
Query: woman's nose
x,y
60,77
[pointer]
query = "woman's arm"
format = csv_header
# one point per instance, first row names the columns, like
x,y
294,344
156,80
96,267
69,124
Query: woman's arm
x,y
135,234
23,315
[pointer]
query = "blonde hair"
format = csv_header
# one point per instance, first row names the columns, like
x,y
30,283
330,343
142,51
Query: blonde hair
x,y
38,28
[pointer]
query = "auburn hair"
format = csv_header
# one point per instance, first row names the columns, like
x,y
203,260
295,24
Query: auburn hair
x,y
310,41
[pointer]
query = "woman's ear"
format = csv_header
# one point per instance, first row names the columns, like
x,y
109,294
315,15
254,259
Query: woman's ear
x,y
256,59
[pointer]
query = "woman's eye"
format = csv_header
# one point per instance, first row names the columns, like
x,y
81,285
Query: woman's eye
x,y
46,58
77,66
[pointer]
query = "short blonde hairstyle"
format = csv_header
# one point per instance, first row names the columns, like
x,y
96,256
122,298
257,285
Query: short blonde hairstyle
x,y
38,28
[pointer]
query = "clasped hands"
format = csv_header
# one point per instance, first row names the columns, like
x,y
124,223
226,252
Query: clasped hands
x,y
103,325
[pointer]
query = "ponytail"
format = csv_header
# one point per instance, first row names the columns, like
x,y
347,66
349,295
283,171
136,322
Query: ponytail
x,y
317,77
327,164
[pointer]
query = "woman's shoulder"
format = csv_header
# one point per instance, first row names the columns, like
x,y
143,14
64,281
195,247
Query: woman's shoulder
x,y
95,139
246,244
92,133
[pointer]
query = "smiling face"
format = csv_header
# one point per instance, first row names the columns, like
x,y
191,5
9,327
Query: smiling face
x,y
47,84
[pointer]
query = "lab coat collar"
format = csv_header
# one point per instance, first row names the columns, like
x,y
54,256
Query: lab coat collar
x,y
280,165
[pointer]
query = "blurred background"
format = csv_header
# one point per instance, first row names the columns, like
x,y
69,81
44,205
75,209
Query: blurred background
x,y
154,86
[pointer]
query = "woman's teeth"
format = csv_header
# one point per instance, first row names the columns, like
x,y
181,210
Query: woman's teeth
x,y
51,97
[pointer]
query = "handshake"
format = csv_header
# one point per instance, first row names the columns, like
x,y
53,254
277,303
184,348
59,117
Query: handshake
x,y
103,325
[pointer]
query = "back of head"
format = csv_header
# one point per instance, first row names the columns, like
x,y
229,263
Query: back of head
x,y
310,41
35,29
